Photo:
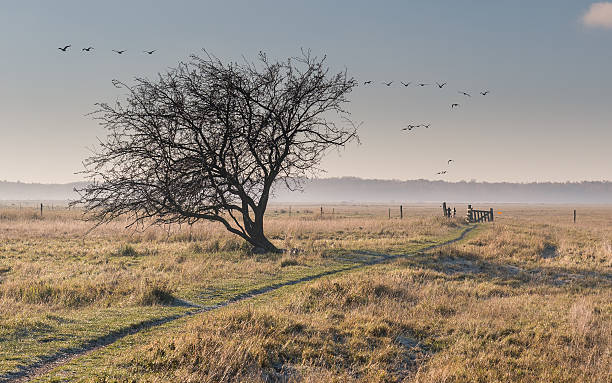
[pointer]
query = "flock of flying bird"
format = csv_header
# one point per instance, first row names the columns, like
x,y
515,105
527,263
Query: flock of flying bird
x,y
409,127
89,49
439,85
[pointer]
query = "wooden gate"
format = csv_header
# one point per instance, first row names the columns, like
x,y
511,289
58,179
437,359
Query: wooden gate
x,y
474,216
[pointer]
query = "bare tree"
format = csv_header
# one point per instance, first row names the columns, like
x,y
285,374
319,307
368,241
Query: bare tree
x,y
208,140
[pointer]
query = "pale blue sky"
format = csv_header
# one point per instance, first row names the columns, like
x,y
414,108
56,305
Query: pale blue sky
x,y
548,117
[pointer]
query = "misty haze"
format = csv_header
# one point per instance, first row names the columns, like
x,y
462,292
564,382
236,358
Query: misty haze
x,y
358,190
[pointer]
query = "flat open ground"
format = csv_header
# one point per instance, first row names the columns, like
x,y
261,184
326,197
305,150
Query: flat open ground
x,y
526,298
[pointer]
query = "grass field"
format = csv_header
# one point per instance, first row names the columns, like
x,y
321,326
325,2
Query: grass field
x,y
526,298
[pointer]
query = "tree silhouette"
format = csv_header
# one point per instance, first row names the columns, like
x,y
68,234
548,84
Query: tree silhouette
x,y
208,140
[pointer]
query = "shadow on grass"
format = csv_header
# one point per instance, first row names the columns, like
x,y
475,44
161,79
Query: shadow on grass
x,y
455,264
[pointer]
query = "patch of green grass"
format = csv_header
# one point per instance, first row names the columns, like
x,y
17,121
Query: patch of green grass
x,y
289,262
27,340
126,250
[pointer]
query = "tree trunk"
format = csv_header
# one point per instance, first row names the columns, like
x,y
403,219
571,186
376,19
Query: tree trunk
x,y
261,244
258,239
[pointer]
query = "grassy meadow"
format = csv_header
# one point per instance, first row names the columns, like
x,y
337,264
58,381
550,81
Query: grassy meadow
x,y
525,298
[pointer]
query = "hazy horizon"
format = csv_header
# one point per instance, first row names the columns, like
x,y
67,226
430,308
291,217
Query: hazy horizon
x,y
323,178
358,190
546,64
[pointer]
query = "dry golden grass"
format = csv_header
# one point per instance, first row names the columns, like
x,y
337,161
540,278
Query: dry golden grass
x,y
55,260
522,300
527,298
61,284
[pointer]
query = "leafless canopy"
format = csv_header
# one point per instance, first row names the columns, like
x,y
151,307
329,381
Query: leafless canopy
x,y
208,140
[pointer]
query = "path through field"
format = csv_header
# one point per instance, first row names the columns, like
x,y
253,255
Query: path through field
x,y
27,372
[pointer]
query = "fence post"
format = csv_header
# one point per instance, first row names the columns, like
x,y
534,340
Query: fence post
x,y
41,207
389,213
574,215
321,211
444,208
469,214
401,212
491,212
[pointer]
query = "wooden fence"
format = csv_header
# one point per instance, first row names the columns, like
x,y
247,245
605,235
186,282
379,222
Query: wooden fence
x,y
474,216
447,211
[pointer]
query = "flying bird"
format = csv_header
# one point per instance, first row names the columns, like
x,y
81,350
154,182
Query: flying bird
x,y
440,85
64,49
409,127
388,83
406,83
454,105
367,82
149,52
425,126
87,49
442,172
449,161
422,84
465,93
485,92
118,52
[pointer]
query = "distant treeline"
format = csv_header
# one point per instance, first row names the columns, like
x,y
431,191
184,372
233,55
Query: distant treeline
x,y
20,191
351,189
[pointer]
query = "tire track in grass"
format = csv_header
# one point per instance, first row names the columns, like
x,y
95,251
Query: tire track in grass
x,y
47,363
